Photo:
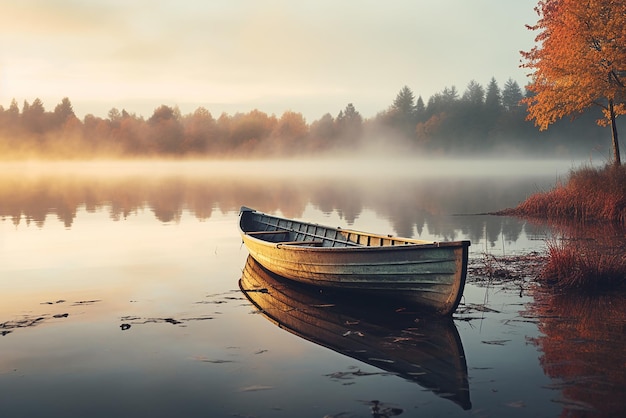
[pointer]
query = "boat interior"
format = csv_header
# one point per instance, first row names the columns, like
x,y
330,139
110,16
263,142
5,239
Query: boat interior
x,y
290,232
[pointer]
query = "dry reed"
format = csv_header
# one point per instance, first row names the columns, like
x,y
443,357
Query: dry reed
x,y
591,194
584,264
593,201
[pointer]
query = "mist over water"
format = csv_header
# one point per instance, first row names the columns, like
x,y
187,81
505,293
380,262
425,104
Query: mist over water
x,y
416,198
337,167
410,193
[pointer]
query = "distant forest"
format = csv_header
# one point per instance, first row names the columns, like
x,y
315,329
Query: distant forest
x,y
485,121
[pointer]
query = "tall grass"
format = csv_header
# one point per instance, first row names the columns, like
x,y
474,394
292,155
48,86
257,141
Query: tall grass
x,y
590,211
584,264
590,194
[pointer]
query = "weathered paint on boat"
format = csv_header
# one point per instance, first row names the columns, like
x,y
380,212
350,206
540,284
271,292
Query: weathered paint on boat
x,y
426,350
429,274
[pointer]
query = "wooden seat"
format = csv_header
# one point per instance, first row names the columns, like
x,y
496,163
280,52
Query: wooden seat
x,y
305,243
266,232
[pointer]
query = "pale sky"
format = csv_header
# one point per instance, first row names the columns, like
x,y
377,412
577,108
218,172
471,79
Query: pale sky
x,y
312,57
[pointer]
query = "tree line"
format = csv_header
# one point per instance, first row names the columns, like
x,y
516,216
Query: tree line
x,y
479,120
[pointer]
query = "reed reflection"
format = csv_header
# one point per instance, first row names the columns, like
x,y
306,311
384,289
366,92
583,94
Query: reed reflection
x,y
583,321
427,351
583,349
411,205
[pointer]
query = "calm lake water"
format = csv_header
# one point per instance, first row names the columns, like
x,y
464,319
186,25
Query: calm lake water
x,y
120,297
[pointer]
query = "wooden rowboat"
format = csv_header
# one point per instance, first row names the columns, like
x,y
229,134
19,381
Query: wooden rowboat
x,y
425,350
422,273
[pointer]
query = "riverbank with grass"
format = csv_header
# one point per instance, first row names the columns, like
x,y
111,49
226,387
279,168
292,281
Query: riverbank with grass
x,y
590,195
588,251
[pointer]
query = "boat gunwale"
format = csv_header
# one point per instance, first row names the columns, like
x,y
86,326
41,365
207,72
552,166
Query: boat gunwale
x,y
351,246
293,246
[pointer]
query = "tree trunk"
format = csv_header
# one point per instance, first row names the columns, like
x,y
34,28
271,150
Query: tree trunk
x,y
616,156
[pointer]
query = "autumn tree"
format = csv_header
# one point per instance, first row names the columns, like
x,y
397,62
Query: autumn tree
x,y
166,131
200,128
248,129
131,134
290,127
580,61
97,133
440,109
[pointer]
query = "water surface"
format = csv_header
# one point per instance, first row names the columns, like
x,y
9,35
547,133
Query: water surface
x,y
120,296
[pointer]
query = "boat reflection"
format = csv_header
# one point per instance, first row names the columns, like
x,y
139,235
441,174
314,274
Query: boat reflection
x,y
424,350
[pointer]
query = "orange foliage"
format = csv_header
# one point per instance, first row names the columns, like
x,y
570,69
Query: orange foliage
x,y
291,126
425,130
580,60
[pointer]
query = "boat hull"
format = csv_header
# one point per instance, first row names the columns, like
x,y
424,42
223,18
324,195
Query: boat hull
x,y
431,275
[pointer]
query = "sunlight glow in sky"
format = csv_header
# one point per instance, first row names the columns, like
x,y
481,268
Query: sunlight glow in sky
x,y
312,57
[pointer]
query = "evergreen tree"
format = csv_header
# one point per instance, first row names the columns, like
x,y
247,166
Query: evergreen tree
x,y
349,123
324,128
404,104
402,114
492,111
14,110
33,116
474,94
450,95
62,112
493,97
511,95
420,110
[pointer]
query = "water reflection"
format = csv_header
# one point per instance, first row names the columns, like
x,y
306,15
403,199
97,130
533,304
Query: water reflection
x,y
583,332
427,351
583,350
69,295
414,206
